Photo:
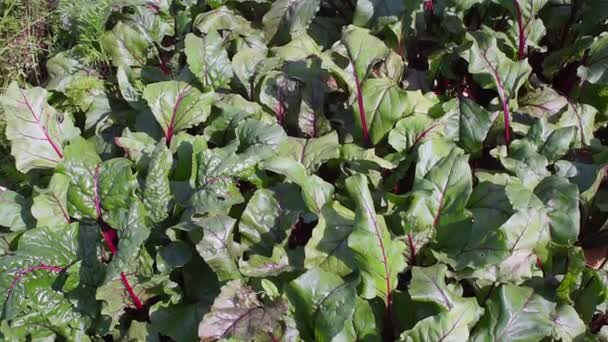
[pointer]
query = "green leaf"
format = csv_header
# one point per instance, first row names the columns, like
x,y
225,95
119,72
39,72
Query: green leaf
x,y
287,19
178,321
583,117
561,199
177,106
525,162
279,262
595,69
28,277
411,131
131,224
237,313
458,315
362,49
442,190
558,143
453,325
14,213
312,152
127,46
315,191
218,247
36,130
515,314
542,102
492,68
428,285
525,28
157,197
373,13
269,215
328,249
208,59
376,254
80,165
323,302
567,325
474,123
50,205
244,64
527,238
384,104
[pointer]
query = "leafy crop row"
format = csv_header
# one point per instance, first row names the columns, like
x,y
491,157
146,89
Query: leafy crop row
x,y
357,170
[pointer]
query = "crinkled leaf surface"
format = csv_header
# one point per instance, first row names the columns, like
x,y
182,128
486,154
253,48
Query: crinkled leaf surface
x,y
37,131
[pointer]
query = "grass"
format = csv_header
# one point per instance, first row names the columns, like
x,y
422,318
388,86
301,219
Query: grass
x,y
25,41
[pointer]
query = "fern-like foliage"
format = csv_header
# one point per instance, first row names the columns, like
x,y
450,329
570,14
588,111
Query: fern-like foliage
x,y
81,24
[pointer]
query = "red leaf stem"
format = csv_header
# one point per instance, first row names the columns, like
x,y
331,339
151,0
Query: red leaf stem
x,y
109,236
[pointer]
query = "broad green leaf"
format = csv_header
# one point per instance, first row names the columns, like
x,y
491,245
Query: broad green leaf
x,y
237,313
315,191
244,65
177,321
384,104
525,162
80,166
288,18
50,205
323,302
525,28
177,106
298,48
14,213
428,285
558,143
541,102
312,152
363,326
328,249
208,59
567,325
127,46
32,279
457,316
492,68
378,257
281,261
561,199
157,197
442,190
374,13
583,117
410,131
515,313
174,254
218,247
363,50
131,224
37,131
269,215
473,244
219,19
595,69
527,238
453,325
474,123
114,297
138,146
